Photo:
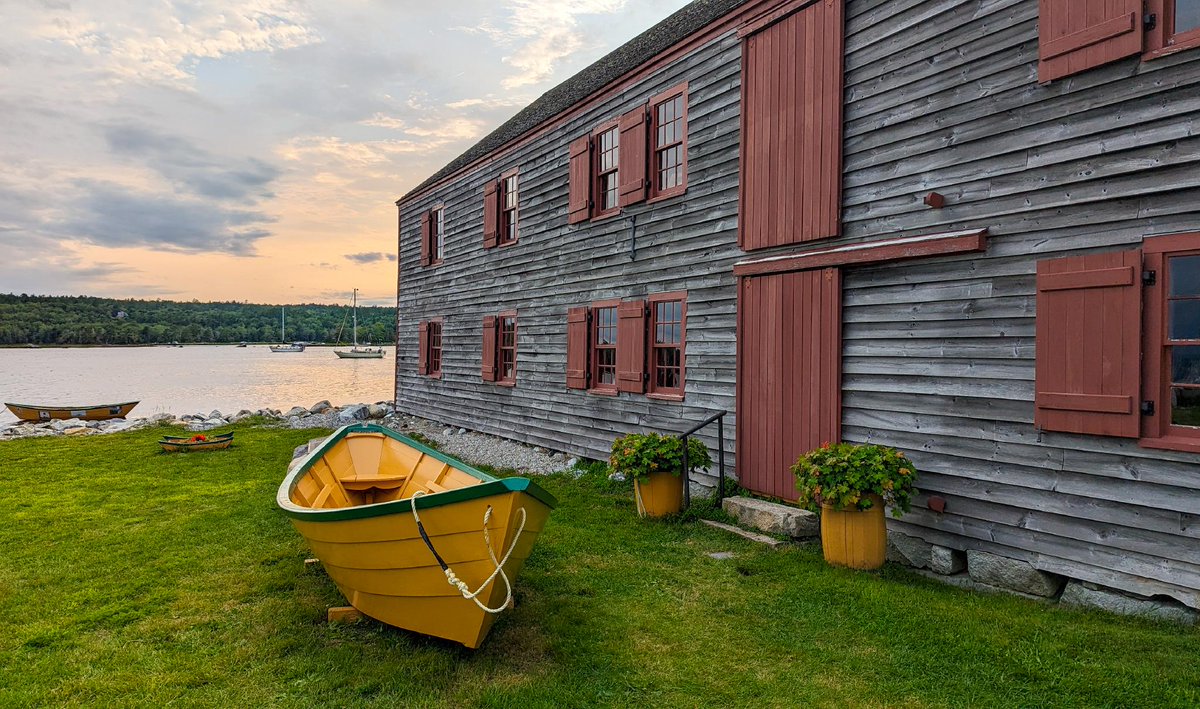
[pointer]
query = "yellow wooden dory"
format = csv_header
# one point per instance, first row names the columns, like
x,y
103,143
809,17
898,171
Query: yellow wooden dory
x,y
352,498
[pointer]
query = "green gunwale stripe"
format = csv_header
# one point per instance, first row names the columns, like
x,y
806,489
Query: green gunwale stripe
x,y
491,485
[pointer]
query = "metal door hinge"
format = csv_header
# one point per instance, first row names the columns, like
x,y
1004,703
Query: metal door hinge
x,y
1149,20
1147,408
1149,278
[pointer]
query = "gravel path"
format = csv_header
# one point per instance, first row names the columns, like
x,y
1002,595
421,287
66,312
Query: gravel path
x,y
484,449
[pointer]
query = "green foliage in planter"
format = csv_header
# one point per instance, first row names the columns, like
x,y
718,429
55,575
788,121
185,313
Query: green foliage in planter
x,y
844,475
639,454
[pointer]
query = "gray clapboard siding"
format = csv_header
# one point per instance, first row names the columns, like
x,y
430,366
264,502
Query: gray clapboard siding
x,y
685,243
939,354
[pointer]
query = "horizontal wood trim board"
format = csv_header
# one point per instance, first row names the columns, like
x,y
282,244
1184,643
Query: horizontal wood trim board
x,y
1092,35
861,254
1102,278
764,21
1098,403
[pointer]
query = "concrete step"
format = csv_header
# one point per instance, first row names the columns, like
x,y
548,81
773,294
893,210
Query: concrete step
x,y
773,517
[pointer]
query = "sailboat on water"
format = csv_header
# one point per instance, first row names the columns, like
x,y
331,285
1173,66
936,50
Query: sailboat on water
x,y
357,352
293,347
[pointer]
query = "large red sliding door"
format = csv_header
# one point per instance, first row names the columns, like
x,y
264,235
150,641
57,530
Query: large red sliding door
x,y
789,374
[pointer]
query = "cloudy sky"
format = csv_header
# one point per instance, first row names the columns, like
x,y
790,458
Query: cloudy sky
x,y
225,150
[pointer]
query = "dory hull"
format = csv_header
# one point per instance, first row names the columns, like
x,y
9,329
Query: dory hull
x,y
180,444
384,569
27,412
374,552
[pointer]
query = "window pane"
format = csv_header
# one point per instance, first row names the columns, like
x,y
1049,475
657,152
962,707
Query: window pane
x,y
1185,274
1184,319
1187,15
1185,365
1185,407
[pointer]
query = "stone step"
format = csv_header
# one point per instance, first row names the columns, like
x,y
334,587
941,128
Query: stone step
x,y
773,517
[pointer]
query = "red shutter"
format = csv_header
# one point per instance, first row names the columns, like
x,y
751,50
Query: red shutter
x,y
579,201
489,348
426,239
791,167
1089,344
491,214
631,347
1076,35
632,158
577,348
423,348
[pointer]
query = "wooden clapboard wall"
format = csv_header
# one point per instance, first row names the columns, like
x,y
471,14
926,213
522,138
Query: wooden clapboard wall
x,y
681,243
939,355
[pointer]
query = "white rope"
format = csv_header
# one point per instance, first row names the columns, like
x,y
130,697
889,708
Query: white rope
x,y
461,585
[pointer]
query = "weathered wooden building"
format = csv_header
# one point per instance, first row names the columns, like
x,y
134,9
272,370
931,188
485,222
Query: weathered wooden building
x,y
969,229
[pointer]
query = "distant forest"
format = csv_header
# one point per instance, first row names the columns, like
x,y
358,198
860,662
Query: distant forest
x,y
82,320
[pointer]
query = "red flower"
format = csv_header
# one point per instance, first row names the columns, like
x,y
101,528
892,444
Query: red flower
x,y
198,438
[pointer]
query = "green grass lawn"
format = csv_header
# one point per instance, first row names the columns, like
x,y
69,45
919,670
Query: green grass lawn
x,y
134,578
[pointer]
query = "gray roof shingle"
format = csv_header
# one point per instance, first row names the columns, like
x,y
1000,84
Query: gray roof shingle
x,y
609,68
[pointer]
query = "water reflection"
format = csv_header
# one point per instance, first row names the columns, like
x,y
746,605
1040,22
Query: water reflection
x,y
184,380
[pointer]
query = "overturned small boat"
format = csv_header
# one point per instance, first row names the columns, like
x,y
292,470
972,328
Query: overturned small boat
x,y
196,443
31,412
412,537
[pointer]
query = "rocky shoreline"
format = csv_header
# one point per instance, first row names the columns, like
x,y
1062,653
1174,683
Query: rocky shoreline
x,y
473,447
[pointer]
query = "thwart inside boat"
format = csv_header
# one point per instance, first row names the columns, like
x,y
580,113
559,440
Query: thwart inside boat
x,y
369,468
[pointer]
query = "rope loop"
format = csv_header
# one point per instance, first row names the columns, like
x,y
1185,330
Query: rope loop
x,y
454,580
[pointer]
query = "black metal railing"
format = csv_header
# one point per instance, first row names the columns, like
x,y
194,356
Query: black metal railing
x,y
719,417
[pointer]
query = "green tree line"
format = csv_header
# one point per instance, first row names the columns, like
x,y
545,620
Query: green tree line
x,y
84,320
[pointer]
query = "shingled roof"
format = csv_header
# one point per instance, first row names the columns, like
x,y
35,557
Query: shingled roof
x,y
617,63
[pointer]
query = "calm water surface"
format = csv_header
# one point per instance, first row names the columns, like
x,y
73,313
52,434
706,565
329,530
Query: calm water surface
x,y
190,379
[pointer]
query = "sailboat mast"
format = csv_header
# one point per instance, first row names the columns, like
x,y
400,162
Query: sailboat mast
x,y
282,325
355,318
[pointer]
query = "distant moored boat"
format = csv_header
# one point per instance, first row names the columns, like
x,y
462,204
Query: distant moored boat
x,y
357,352
30,412
295,346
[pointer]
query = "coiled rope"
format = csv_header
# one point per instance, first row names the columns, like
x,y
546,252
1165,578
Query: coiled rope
x,y
458,583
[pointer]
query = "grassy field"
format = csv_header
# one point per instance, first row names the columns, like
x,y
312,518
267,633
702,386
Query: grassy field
x,y
134,578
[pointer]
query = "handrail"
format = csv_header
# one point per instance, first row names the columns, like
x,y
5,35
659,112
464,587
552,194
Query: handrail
x,y
719,417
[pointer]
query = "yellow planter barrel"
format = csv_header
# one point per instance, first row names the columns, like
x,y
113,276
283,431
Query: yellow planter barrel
x,y
854,538
660,495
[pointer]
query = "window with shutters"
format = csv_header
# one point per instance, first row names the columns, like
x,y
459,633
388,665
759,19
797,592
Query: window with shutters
x,y
1078,35
666,330
604,347
607,145
506,368
437,235
1174,25
1172,342
433,352
508,212
632,346
668,131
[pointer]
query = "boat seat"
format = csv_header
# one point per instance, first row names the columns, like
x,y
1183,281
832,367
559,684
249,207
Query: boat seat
x,y
381,482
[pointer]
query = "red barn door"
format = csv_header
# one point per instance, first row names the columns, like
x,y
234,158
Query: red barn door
x,y
789,374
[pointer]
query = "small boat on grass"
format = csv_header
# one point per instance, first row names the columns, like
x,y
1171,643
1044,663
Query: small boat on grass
x,y
31,412
196,443
410,536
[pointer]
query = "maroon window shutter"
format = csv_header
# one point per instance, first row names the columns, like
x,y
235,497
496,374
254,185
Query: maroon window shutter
x,y
426,239
423,348
577,348
1088,359
632,160
489,348
491,214
1076,35
579,201
631,347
